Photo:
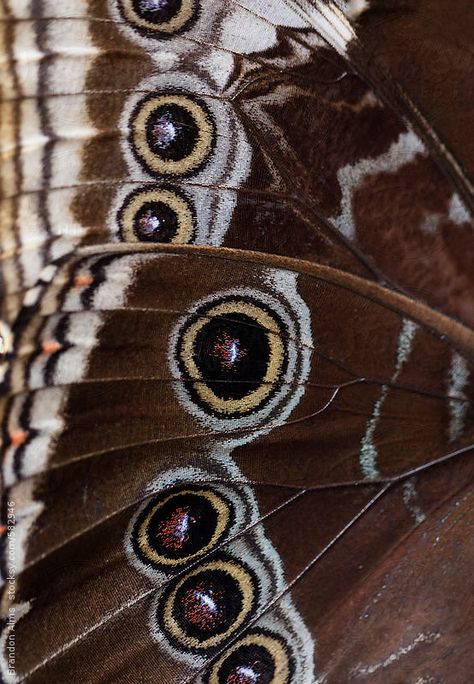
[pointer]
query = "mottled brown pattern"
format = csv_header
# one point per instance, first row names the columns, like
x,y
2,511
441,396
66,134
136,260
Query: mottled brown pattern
x,y
427,47
429,250
412,638
97,470
338,176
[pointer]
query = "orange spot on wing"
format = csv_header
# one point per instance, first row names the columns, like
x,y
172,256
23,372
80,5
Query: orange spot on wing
x,y
51,346
83,280
18,437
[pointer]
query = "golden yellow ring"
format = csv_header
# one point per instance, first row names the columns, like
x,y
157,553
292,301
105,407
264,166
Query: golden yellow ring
x,y
172,167
178,204
272,645
276,357
173,25
246,584
217,503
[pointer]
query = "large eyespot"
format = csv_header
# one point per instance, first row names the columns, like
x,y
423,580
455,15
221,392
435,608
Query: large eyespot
x,y
157,215
159,18
172,135
258,657
180,525
232,354
208,605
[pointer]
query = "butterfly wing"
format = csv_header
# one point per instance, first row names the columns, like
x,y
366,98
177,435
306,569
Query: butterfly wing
x,y
425,46
263,127
160,420
184,427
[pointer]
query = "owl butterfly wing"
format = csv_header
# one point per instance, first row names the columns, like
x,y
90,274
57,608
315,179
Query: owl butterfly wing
x,y
181,454
426,46
254,125
137,457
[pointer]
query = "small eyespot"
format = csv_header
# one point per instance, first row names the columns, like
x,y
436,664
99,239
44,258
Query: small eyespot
x,y
208,605
159,18
157,215
258,657
179,526
232,355
172,134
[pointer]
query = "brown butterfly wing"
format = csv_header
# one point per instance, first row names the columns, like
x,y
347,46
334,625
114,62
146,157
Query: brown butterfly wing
x,y
304,468
409,620
110,444
304,149
426,47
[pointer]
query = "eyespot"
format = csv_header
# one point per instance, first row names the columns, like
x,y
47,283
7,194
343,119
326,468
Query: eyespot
x,y
232,354
208,605
157,215
179,526
258,657
172,135
159,18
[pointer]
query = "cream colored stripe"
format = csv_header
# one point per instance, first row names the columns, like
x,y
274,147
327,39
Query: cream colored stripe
x,y
458,380
368,450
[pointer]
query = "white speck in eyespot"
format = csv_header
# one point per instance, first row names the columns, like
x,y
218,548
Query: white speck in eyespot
x,y
149,224
165,131
244,675
153,5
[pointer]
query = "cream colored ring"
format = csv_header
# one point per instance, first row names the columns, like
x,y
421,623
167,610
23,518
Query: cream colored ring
x,y
173,25
276,357
153,161
223,515
272,645
246,584
179,205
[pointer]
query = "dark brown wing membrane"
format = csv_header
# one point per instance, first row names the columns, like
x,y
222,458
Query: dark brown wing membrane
x,y
233,453
427,47
92,445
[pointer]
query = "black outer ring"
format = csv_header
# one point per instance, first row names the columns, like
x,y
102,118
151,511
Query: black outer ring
x,y
189,382
156,33
181,563
175,93
158,187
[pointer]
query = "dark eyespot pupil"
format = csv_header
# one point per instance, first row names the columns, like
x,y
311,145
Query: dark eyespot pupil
x,y
228,350
249,664
182,526
204,606
157,11
156,222
208,603
172,132
232,355
175,530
